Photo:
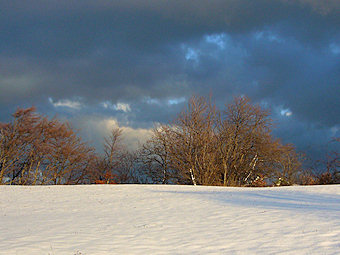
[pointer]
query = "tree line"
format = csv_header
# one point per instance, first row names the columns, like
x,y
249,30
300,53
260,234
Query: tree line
x,y
203,145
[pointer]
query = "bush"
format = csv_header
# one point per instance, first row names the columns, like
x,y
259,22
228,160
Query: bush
x,y
325,178
259,182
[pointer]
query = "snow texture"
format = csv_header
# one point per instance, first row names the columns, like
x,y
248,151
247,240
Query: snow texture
x,y
160,219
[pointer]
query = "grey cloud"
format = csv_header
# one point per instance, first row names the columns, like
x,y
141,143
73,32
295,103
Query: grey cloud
x,y
129,51
304,79
63,29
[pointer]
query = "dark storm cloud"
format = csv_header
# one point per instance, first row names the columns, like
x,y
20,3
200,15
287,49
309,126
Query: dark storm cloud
x,y
71,58
303,78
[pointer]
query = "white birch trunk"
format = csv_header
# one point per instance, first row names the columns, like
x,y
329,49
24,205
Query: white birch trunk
x,y
192,177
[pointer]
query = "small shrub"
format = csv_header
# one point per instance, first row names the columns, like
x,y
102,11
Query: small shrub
x,y
258,182
282,182
308,180
325,178
108,179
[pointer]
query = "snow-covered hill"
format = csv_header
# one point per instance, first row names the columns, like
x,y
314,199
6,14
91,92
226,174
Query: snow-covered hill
x,y
155,219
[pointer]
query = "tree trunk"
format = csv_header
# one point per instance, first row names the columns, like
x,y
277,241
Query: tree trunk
x,y
192,177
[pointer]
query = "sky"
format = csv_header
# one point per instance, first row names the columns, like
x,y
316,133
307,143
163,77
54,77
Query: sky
x,y
106,63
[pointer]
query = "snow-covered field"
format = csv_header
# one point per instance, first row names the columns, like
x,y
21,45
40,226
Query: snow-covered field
x,y
155,219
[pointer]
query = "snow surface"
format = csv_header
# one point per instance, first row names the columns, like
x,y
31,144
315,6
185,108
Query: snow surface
x,y
160,219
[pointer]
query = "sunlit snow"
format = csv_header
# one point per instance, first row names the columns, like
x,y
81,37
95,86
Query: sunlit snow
x,y
155,219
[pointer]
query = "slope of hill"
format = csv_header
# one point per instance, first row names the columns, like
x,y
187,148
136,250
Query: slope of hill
x,y
155,219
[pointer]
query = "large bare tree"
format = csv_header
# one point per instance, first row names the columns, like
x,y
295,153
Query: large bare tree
x,y
190,143
36,150
231,147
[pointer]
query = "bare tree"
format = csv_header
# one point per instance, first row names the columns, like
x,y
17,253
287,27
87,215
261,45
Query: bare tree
x,y
233,147
18,140
68,156
329,172
112,145
290,166
35,150
105,166
128,169
117,165
334,162
247,151
190,142
154,155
